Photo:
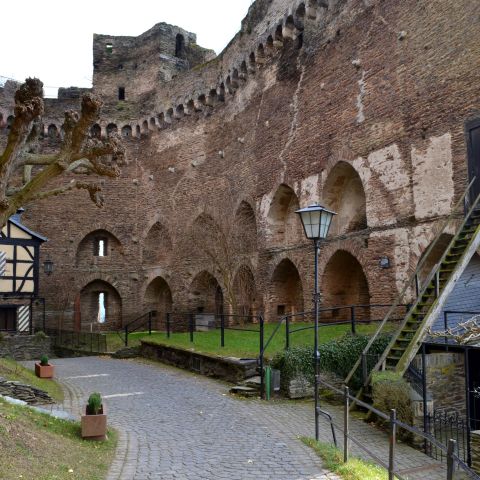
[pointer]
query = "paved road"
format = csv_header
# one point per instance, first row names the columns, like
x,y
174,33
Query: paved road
x,y
175,425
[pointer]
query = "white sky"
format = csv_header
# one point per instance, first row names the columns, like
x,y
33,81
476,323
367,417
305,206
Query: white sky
x,y
52,40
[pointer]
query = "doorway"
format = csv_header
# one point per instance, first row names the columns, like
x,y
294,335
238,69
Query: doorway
x,y
8,318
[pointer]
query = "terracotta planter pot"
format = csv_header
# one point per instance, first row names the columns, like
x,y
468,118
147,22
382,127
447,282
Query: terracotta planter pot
x,y
44,371
94,427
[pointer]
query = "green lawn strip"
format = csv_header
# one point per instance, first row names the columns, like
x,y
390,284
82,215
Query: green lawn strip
x,y
240,343
354,469
37,446
11,370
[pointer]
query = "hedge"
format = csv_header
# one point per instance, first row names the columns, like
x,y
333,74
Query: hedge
x,y
337,356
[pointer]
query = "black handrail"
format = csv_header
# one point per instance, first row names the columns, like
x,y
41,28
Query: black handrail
x,y
147,320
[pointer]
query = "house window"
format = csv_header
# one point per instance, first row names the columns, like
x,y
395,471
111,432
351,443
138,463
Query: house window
x,y
102,311
121,93
109,47
100,247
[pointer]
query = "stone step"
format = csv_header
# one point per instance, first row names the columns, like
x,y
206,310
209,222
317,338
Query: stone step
x,y
244,391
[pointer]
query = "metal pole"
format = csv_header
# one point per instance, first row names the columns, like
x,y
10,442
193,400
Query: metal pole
x,y
393,441
287,332
222,330
466,357
191,326
43,301
352,319
168,325
424,395
450,459
445,324
316,353
149,323
364,369
262,377
126,335
346,405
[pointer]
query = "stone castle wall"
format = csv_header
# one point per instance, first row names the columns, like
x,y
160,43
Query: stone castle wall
x,y
357,104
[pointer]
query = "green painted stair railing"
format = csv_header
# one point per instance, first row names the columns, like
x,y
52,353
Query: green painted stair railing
x,y
430,300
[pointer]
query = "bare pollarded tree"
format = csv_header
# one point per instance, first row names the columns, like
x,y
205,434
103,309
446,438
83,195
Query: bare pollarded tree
x,y
224,244
78,153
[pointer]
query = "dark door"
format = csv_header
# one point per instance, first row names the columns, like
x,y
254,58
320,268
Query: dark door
x,y
473,148
472,356
8,317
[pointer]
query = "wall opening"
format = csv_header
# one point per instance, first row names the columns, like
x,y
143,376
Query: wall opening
x,y
96,131
102,310
127,131
180,46
344,283
99,243
158,298
100,306
344,194
157,246
111,129
121,93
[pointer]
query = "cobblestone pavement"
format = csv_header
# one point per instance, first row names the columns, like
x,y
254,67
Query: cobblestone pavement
x,y
177,425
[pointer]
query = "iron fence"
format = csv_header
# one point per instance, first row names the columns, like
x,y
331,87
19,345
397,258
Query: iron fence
x,y
89,342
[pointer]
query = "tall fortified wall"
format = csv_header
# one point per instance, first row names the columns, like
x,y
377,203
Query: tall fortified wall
x,y
361,105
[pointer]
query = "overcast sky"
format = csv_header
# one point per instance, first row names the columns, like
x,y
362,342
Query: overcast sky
x,y
52,39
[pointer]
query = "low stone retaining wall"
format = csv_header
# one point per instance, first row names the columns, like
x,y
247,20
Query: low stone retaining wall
x,y
230,369
25,347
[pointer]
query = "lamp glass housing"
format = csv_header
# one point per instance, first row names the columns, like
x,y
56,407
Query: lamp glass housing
x,y
316,221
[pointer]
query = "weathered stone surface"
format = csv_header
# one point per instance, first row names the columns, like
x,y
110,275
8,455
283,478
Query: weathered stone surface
x,y
25,347
27,393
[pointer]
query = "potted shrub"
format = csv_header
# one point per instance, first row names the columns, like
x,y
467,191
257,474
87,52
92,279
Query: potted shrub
x,y
43,369
94,422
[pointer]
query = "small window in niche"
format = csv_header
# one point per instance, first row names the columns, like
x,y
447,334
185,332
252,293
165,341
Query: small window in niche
x,y
121,93
102,311
109,47
120,66
100,247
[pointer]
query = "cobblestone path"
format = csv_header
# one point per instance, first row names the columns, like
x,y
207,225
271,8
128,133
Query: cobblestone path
x,y
177,425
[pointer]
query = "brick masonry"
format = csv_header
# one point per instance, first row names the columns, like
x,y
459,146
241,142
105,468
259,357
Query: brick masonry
x,y
357,104
23,347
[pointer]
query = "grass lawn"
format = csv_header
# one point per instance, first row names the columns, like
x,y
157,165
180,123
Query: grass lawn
x,y
11,370
241,343
35,446
354,469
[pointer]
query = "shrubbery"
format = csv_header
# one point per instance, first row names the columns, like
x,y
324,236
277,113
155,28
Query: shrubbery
x,y
391,391
337,356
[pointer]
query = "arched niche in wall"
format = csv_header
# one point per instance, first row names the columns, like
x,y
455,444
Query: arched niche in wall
x,y
344,194
205,294
157,246
344,283
98,245
245,228
180,46
53,131
126,131
284,226
244,292
285,296
96,131
111,129
100,307
158,297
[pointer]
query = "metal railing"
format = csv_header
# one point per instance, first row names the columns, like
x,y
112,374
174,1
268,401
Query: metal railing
x,y
412,282
143,320
90,342
449,451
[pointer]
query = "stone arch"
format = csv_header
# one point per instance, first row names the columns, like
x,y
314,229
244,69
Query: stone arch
x,y
235,78
285,295
212,97
179,111
169,115
300,15
138,130
269,44
243,69
278,35
244,291
157,246
53,131
98,246
126,131
10,119
206,294
343,193
158,297
245,228
100,306
96,131
111,129
344,282
221,92
202,100
145,126
284,226
191,106
288,31
152,122
260,54
252,61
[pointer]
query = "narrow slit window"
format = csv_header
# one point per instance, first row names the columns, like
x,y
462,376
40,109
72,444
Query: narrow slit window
x,y
102,313
109,47
100,247
121,93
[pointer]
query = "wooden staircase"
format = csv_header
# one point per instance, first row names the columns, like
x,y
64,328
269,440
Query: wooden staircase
x,y
430,300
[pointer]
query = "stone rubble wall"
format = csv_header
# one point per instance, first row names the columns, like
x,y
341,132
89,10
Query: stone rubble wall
x,y
23,347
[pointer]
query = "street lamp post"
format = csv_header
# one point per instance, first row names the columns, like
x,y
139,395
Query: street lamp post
x,y
316,222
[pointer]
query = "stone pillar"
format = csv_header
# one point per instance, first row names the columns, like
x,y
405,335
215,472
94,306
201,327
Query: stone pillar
x,y
475,450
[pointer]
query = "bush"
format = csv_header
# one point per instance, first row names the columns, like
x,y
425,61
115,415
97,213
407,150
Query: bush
x,y
40,335
337,356
391,391
94,404
44,360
